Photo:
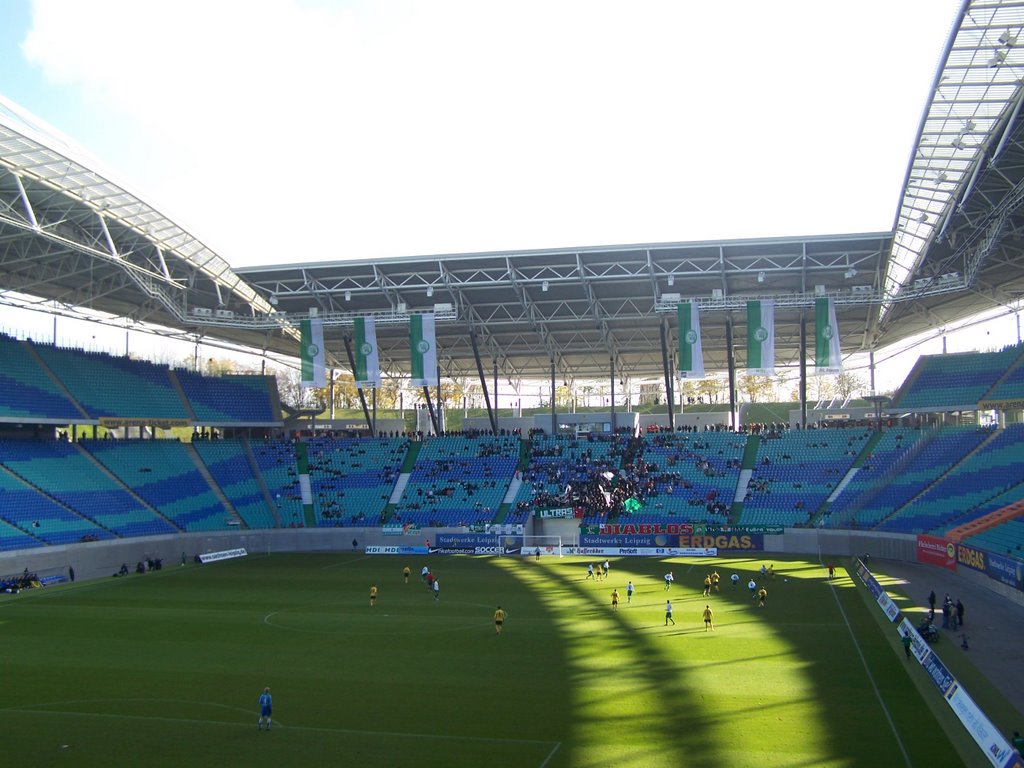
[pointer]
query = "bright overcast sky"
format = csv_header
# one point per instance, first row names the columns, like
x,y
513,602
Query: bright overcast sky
x,y
290,131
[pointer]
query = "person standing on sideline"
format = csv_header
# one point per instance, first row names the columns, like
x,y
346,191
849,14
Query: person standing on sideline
x,y
669,578
437,589
183,558
709,618
629,592
266,708
959,610
931,600
405,573
762,593
906,643
373,595
615,599
668,613
499,620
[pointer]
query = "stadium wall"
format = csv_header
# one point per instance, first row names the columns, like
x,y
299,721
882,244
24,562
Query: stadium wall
x,y
101,559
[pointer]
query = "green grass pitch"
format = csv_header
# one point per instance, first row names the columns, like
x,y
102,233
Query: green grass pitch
x,y
164,669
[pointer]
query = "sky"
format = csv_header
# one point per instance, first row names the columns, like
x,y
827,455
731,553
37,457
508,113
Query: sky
x,y
282,131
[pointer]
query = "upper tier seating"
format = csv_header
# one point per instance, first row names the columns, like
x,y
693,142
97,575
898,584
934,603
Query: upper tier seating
x,y
48,383
115,386
26,390
954,380
232,398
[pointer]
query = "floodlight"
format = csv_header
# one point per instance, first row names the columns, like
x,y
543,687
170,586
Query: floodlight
x,y
544,286
760,277
430,291
348,295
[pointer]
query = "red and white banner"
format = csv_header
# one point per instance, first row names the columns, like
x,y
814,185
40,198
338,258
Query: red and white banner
x,y
935,551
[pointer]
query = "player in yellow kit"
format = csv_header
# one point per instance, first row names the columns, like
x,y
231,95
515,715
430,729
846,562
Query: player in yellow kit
x,y
373,595
499,620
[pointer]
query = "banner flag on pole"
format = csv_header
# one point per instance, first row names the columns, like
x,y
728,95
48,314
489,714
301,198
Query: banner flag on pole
x,y
367,372
424,351
691,354
761,338
827,354
311,353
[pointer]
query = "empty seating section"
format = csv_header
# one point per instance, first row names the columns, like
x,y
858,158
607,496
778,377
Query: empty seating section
x,y
163,473
458,480
114,386
956,496
12,537
795,471
895,443
26,390
1005,539
352,478
72,487
558,461
228,464
236,398
688,476
933,457
1011,387
74,480
955,379
279,468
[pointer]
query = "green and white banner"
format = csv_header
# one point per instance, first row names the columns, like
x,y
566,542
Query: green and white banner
x,y
761,338
691,354
422,344
311,352
367,372
827,354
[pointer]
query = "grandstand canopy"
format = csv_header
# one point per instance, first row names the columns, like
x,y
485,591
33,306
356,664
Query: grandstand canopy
x,y
71,234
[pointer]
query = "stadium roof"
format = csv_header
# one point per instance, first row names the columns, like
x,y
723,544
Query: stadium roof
x,y
71,234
